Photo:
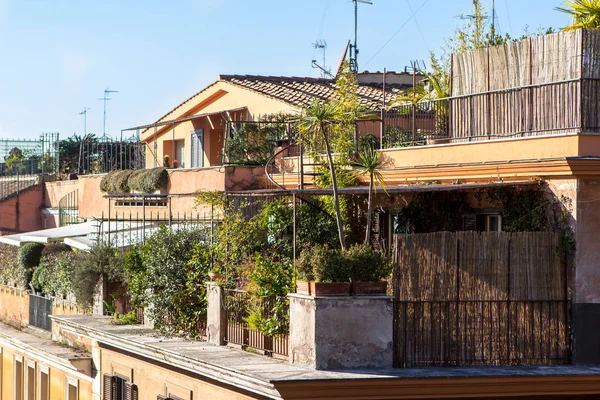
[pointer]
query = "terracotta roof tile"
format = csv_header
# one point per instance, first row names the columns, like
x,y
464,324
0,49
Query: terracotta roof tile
x,y
301,92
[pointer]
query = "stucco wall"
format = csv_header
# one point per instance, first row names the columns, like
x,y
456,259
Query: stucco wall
x,y
57,190
24,216
153,379
14,306
58,377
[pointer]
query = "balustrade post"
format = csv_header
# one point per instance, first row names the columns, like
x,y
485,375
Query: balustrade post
x,y
216,319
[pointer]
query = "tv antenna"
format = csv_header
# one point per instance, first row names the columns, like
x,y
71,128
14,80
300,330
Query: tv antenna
x,y
106,97
354,47
472,16
84,113
325,72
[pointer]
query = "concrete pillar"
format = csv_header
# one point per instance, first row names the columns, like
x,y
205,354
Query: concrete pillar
x,y
100,295
341,332
216,318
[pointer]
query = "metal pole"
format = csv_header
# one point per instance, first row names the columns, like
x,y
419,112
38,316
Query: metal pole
x,y
383,112
414,117
294,226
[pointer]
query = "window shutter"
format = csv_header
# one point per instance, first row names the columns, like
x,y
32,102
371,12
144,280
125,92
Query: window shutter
x,y
131,391
469,222
134,392
110,387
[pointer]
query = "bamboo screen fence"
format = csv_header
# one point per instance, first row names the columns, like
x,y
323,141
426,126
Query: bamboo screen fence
x,y
471,298
538,86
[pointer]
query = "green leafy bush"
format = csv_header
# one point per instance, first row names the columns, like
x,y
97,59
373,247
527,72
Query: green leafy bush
x,y
12,273
101,261
151,180
271,281
129,318
30,254
366,264
107,183
359,263
55,248
322,264
120,181
54,275
143,180
164,275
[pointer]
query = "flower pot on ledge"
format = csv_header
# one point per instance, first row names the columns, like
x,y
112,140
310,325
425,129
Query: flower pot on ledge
x,y
323,288
369,288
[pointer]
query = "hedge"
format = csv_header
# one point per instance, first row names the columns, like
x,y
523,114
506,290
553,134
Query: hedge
x,y
30,254
143,180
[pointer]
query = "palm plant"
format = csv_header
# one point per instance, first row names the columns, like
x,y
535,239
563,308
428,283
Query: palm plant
x,y
315,124
369,163
584,13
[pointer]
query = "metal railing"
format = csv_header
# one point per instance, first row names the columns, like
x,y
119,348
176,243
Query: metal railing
x,y
238,306
482,333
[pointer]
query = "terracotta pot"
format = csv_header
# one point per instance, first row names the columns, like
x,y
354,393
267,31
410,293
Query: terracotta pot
x,y
369,288
323,288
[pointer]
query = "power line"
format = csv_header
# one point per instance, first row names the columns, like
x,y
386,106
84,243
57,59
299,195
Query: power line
x,y
508,15
418,26
397,32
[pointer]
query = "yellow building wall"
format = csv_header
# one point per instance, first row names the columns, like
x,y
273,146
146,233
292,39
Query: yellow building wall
x,y
226,97
153,379
57,376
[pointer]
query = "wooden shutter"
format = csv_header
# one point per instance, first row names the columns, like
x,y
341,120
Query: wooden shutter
x,y
109,387
469,222
131,391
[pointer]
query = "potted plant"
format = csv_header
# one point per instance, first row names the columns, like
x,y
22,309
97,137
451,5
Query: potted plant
x,y
367,268
322,272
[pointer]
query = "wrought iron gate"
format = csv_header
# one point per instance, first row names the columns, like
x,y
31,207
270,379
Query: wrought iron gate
x,y
40,309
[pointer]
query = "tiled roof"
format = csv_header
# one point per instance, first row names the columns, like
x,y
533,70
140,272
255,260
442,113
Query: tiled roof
x,y
301,92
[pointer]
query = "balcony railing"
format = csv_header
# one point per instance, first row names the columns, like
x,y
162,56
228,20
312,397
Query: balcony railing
x,y
237,304
564,107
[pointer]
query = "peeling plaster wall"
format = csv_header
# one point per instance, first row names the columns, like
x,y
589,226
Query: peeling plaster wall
x,y
341,332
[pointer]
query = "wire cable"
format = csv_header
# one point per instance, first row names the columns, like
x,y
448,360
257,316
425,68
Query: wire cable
x,y
418,26
396,33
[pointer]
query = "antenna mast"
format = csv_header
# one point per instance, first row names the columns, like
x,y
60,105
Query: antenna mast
x,y
107,93
354,47
84,113
325,72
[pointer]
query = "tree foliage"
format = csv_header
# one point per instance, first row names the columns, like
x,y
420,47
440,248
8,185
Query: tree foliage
x,y
583,13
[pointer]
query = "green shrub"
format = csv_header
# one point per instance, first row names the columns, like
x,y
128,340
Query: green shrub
x,y
101,261
134,179
322,264
148,180
120,181
366,264
271,281
54,275
359,263
125,319
11,272
164,274
30,254
107,184
55,248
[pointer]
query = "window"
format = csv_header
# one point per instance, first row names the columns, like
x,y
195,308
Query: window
x,y
483,221
18,387
197,149
72,391
30,381
117,387
43,386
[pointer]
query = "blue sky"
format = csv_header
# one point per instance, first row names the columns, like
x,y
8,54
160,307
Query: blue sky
x,y
59,55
